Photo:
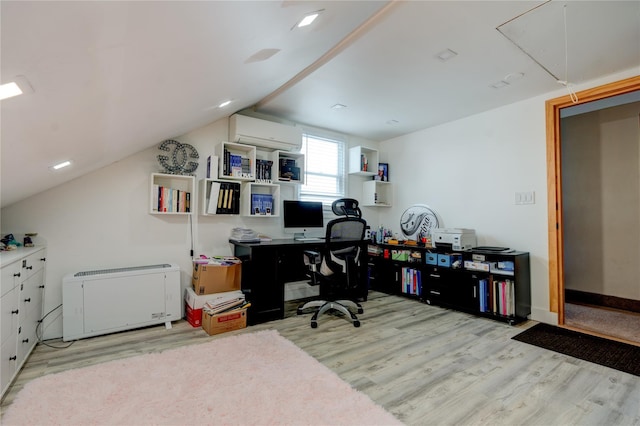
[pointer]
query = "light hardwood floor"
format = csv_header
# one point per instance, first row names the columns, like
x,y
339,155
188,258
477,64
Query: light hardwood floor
x,y
425,364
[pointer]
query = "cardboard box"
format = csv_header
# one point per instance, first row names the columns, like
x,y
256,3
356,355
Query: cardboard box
x,y
221,323
211,278
193,315
193,307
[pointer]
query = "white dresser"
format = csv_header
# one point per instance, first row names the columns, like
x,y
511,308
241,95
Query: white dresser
x,y
22,289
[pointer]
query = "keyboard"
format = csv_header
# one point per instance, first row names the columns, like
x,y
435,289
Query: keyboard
x,y
310,239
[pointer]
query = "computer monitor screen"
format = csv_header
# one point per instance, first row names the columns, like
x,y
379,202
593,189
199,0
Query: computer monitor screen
x,y
302,217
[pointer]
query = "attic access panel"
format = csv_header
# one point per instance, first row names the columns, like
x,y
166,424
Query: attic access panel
x,y
576,41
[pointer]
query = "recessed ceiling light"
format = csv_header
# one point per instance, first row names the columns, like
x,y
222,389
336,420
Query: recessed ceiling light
x,y
61,165
224,104
338,106
308,19
20,85
9,90
446,54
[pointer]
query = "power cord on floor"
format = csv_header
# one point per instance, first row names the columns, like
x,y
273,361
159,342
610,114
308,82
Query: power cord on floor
x,y
40,336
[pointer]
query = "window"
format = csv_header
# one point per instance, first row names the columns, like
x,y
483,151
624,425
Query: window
x,y
325,169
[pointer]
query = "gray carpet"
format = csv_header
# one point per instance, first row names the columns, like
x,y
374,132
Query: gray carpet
x,y
609,322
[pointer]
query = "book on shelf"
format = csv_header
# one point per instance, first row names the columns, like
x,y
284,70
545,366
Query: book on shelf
x,y
224,198
261,204
411,281
171,200
236,165
503,301
288,170
212,167
263,170
214,196
155,202
246,166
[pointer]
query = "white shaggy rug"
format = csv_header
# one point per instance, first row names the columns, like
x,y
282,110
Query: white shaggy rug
x,y
249,379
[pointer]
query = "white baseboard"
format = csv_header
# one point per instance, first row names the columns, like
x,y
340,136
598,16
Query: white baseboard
x,y
544,315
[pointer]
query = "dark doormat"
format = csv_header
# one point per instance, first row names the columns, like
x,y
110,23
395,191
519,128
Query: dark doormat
x,y
610,353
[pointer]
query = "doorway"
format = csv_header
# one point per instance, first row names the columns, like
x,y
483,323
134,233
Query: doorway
x,y
554,182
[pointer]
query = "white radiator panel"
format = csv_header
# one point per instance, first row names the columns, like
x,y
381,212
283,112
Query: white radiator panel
x,y
106,301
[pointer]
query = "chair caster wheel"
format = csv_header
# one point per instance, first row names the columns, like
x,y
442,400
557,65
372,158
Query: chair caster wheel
x,y
360,310
314,324
356,323
299,311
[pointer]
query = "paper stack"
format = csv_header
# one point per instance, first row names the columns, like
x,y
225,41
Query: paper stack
x,y
225,302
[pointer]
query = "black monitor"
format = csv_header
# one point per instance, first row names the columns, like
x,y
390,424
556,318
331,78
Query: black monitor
x,y
302,217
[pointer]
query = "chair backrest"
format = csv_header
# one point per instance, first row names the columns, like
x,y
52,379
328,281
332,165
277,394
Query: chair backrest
x,y
346,207
339,230
345,228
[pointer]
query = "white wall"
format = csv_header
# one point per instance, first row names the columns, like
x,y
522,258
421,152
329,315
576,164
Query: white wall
x,y
102,220
469,170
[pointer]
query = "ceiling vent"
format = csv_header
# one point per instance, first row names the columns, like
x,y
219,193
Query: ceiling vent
x,y
264,134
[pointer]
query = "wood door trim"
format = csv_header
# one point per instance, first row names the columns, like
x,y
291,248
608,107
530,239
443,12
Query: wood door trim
x,y
554,180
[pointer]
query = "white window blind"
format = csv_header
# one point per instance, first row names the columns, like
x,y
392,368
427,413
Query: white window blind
x,y
325,169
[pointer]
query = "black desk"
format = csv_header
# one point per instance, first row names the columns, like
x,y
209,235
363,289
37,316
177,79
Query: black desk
x,y
268,266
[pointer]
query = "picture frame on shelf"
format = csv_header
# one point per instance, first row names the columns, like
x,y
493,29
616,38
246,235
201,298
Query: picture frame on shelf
x,y
383,172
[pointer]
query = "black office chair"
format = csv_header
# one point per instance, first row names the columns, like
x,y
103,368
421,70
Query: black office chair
x,y
337,268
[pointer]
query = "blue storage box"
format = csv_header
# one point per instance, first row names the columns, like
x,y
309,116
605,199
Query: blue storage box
x,y
449,260
431,259
444,260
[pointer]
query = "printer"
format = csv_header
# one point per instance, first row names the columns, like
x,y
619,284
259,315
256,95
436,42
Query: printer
x,y
454,238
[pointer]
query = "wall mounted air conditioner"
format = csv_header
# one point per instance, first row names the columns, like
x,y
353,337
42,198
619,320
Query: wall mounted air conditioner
x,y
263,133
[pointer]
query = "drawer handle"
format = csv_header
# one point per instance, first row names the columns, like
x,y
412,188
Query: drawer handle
x,y
43,259
29,267
13,358
15,312
17,274
41,286
27,300
25,341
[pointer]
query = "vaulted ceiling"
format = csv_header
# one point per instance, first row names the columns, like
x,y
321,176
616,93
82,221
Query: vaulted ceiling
x,y
111,78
